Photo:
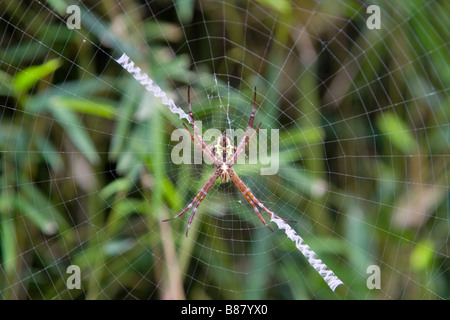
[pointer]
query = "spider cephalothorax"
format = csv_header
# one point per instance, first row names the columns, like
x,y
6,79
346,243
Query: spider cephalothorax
x,y
223,154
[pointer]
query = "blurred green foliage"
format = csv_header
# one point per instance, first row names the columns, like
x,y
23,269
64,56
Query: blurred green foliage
x,y
85,174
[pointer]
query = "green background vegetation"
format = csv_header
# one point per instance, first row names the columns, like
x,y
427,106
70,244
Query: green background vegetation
x,y
85,170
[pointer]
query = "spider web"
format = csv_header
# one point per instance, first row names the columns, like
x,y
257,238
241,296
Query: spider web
x,y
360,117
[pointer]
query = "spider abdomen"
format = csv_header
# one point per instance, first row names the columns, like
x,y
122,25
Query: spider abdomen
x,y
224,172
223,152
223,149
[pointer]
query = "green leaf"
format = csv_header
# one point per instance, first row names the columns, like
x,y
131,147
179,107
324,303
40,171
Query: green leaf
x,y
159,30
129,205
121,184
300,180
7,236
84,106
41,220
185,9
117,247
302,136
76,132
123,124
52,220
422,255
397,131
60,6
6,84
28,77
173,198
282,6
48,152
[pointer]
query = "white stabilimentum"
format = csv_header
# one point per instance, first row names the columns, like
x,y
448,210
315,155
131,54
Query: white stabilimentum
x,y
330,278
150,85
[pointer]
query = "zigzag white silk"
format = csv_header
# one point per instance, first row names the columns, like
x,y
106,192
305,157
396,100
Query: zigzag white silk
x,y
150,85
330,278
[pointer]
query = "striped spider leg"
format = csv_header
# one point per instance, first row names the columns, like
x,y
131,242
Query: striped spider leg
x,y
223,155
197,200
250,197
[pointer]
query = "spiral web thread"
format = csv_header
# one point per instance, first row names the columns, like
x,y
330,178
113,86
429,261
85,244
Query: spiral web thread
x,y
150,85
328,275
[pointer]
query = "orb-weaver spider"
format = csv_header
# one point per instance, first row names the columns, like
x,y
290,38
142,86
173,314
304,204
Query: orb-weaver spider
x,y
223,155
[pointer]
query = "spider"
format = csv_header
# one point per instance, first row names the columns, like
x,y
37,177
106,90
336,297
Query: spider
x,y
223,155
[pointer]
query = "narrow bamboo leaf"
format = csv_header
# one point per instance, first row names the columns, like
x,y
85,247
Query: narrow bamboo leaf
x,y
60,6
185,9
303,181
128,164
122,207
123,123
118,185
397,131
13,138
28,77
6,84
159,30
172,197
157,162
302,136
76,132
117,247
129,205
41,220
422,255
48,152
40,102
282,6
42,203
23,53
7,236
357,233
100,109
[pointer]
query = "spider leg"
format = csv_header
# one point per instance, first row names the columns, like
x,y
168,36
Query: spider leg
x,y
208,154
242,188
255,208
252,117
204,148
250,197
192,216
238,151
206,188
270,212
242,144
189,106
197,199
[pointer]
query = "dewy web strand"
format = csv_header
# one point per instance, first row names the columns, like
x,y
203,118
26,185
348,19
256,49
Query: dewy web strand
x,y
150,85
